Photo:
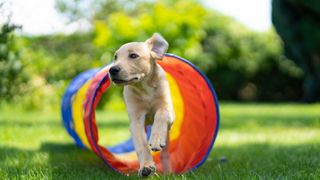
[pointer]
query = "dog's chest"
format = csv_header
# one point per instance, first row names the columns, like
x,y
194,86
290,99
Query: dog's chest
x,y
149,96
147,99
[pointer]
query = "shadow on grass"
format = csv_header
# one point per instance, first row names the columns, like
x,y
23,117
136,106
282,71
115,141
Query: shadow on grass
x,y
114,123
69,159
58,161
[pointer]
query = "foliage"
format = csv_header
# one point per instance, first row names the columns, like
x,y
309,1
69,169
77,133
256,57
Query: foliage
x,y
10,64
180,23
297,23
62,56
237,60
51,62
246,65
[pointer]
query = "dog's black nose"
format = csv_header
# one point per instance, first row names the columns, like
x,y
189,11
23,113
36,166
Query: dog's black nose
x,y
114,70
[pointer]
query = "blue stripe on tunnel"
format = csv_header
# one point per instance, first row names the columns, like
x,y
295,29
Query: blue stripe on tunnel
x,y
66,110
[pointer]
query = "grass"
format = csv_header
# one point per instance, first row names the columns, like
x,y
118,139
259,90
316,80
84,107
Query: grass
x,y
259,141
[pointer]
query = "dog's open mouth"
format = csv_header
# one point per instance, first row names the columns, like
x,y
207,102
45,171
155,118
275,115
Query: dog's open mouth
x,y
121,81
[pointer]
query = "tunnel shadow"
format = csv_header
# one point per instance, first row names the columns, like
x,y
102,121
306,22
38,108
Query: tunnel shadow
x,y
68,157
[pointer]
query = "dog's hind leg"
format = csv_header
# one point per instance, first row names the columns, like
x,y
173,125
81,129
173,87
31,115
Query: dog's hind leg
x,y
165,158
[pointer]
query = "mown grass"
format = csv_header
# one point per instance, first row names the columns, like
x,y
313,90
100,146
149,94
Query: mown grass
x,y
257,141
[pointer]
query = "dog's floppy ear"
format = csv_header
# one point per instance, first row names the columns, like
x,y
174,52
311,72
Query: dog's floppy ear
x,y
157,45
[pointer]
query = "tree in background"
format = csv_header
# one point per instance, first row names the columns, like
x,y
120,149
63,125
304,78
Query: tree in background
x,y
10,65
298,24
246,65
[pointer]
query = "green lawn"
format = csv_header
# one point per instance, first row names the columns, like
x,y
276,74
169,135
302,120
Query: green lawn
x,y
260,141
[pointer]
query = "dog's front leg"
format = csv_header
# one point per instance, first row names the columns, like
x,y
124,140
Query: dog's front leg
x,y
162,122
139,137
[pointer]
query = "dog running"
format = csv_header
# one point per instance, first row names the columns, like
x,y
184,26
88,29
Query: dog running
x,y
147,98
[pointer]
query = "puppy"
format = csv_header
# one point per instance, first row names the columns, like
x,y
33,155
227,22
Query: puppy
x,y
147,98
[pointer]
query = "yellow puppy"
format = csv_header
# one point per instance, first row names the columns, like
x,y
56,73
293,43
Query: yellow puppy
x,y
147,97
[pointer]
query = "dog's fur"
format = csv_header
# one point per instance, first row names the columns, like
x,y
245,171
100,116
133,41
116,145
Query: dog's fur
x,y
147,97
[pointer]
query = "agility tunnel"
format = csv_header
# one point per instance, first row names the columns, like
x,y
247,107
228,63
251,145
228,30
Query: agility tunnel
x,y
191,137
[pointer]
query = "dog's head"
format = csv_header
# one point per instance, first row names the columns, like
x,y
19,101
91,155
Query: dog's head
x,y
134,61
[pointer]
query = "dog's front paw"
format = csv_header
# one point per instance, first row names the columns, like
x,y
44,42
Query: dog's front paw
x,y
146,171
157,140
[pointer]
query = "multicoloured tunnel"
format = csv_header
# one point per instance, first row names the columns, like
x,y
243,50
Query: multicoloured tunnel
x,y
191,137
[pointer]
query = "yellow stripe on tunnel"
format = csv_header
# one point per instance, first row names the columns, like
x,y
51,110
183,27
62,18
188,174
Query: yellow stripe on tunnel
x,y
128,156
78,112
178,107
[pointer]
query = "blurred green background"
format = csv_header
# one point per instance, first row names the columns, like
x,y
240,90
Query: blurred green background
x,y
243,65
258,76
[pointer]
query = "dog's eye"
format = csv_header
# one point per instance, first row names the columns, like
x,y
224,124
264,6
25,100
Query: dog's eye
x,y
115,57
133,56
